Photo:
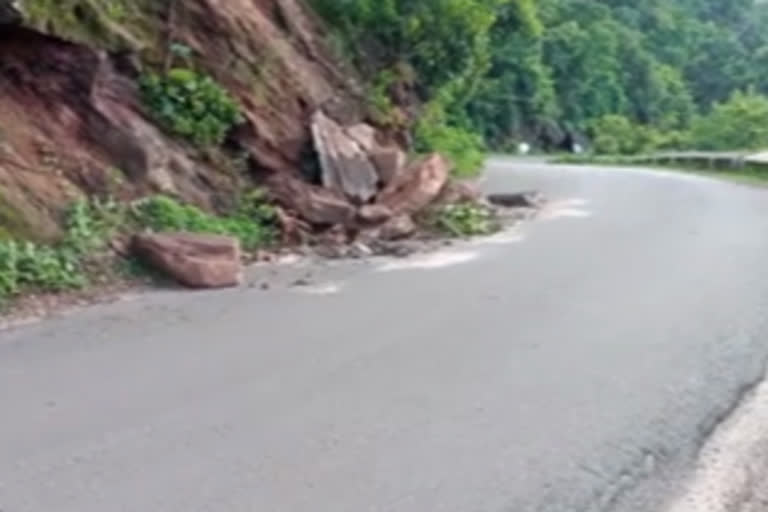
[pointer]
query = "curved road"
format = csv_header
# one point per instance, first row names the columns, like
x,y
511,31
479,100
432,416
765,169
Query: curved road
x,y
577,366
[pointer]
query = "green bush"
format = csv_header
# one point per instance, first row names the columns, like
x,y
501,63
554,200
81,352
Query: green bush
x,y
26,264
464,148
617,135
191,104
437,132
253,224
380,105
739,123
465,219
61,266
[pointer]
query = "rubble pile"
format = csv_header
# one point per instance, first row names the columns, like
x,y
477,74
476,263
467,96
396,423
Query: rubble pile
x,y
367,191
368,200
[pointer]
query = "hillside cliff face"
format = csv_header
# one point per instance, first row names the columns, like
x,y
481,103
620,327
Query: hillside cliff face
x,y
71,118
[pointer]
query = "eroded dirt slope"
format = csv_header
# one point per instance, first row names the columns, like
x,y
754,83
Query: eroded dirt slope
x,y
71,120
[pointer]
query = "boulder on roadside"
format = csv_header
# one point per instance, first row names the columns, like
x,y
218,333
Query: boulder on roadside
x,y
314,204
389,162
529,199
193,260
374,214
344,160
417,186
397,228
460,192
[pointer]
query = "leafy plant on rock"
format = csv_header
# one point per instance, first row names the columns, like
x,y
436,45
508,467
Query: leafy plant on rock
x,y
465,219
253,224
191,104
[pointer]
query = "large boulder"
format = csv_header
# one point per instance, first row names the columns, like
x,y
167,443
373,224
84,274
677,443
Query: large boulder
x,y
389,162
314,204
193,260
344,160
417,186
364,135
374,214
397,228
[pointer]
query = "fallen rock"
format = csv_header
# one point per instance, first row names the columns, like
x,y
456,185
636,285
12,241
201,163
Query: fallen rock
x,y
397,228
360,250
344,161
460,192
336,236
290,231
315,204
389,162
374,214
417,186
530,199
364,135
193,260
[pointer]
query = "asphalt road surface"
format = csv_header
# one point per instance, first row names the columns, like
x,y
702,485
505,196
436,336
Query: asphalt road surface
x,y
577,365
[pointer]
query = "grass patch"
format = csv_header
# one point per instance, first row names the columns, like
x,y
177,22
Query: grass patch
x,y
90,224
60,266
253,222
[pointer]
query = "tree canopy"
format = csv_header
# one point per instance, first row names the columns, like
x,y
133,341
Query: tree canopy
x,y
512,70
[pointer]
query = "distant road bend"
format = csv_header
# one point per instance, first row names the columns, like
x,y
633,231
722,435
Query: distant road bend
x,y
579,365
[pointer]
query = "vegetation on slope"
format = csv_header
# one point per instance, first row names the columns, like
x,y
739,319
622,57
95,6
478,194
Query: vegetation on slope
x,y
685,74
80,254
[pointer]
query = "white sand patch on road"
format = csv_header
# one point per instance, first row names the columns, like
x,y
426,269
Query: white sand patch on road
x,y
567,208
330,288
505,237
433,261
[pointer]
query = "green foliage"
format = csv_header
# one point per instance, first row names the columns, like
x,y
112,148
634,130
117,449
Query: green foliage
x,y
25,264
739,123
253,224
447,45
191,104
616,135
442,39
465,148
451,136
465,219
379,102
90,224
532,69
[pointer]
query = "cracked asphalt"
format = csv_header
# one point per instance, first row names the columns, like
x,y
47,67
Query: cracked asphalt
x,y
579,364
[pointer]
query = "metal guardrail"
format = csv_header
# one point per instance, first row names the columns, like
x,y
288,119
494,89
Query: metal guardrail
x,y
703,159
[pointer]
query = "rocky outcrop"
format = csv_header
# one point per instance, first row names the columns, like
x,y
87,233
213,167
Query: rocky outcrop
x,y
71,120
195,261
315,204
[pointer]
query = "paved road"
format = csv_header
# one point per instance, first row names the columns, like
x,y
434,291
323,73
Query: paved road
x,y
578,367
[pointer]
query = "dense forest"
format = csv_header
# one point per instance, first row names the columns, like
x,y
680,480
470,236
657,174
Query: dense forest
x,y
632,76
